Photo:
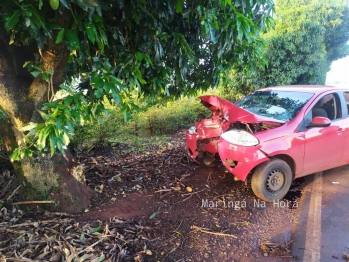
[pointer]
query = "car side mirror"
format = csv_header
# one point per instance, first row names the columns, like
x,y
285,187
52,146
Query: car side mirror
x,y
319,121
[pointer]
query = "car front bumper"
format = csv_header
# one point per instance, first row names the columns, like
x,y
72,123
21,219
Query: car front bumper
x,y
240,160
191,140
197,147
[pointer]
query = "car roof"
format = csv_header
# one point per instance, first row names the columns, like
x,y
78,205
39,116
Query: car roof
x,y
305,88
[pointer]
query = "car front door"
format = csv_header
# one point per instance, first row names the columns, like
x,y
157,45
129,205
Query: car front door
x,y
324,146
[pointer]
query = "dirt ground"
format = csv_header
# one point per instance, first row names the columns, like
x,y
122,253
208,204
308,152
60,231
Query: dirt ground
x,y
156,205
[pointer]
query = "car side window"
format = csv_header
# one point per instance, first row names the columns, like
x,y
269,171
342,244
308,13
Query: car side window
x,y
346,97
328,106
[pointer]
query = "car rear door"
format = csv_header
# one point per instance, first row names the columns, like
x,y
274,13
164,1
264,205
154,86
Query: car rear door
x,y
324,146
345,105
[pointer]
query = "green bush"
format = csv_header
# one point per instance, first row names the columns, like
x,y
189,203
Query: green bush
x,y
152,124
157,120
166,119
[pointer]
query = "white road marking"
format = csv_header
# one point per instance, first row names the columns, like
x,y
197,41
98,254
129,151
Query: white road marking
x,y
313,234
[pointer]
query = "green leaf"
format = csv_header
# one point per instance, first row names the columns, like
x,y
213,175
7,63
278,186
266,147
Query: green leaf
x,y
152,216
64,2
91,31
13,20
94,230
53,142
100,259
36,18
179,6
28,152
228,2
73,40
60,36
139,77
35,73
116,97
60,146
178,233
100,45
15,155
30,126
65,139
21,236
99,92
44,115
103,36
2,114
42,135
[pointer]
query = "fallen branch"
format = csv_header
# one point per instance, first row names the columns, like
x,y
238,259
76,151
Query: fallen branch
x,y
163,190
6,188
191,194
60,214
187,194
13,192
346,256
34,202
212,233
41,222
18,259
27,243
82,251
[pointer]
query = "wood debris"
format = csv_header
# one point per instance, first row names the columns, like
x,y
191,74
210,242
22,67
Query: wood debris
x,y
212,233
63,239
276,249
346,256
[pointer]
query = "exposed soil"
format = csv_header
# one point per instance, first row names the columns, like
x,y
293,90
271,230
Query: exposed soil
x,y
146,198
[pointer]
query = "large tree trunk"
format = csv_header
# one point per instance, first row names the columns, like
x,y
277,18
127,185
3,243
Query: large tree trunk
x,y
41,177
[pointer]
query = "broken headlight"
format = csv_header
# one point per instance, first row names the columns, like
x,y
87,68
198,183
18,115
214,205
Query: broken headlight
x,y
192,130
240,137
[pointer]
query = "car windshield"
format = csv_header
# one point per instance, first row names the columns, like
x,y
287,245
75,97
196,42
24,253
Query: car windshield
x,y
280,105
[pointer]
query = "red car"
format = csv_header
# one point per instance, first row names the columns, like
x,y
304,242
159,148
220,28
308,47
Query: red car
x,y
274,135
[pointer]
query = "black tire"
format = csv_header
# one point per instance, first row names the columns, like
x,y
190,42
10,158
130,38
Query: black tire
x,y
271,180
209,160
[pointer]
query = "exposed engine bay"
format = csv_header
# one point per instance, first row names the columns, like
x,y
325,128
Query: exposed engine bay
x,y
203,138
207,147
252,128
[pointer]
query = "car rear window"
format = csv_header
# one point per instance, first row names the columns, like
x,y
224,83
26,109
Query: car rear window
x,y
280,105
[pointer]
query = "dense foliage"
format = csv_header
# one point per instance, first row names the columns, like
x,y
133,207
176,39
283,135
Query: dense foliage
x,y
151,125
152,48
307,37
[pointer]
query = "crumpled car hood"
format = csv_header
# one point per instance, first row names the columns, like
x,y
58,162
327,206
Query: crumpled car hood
x,y
235,113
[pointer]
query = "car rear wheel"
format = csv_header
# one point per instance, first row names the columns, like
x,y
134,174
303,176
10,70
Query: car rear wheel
x,y
272,180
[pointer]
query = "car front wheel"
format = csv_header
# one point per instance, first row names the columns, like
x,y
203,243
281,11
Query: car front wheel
x,y
271,180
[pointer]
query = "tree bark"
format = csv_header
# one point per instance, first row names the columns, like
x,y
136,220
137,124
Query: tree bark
x,y
58,178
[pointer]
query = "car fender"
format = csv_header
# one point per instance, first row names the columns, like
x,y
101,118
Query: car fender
x,y
292,148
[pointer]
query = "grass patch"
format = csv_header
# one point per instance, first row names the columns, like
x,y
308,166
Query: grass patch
x,y
152,125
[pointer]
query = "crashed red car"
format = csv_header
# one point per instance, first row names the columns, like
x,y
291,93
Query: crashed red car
x,y
274,135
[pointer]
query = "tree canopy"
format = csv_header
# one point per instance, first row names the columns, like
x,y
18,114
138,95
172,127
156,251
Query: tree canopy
x,y
114,48
308,36
156,48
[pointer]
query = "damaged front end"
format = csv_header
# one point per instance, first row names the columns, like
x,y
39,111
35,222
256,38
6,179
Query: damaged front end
x,y
202,139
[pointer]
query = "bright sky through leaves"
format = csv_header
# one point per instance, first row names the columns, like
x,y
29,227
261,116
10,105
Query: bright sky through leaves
x,y
339,73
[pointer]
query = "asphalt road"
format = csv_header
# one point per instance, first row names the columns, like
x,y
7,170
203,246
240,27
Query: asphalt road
x,y
322,231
